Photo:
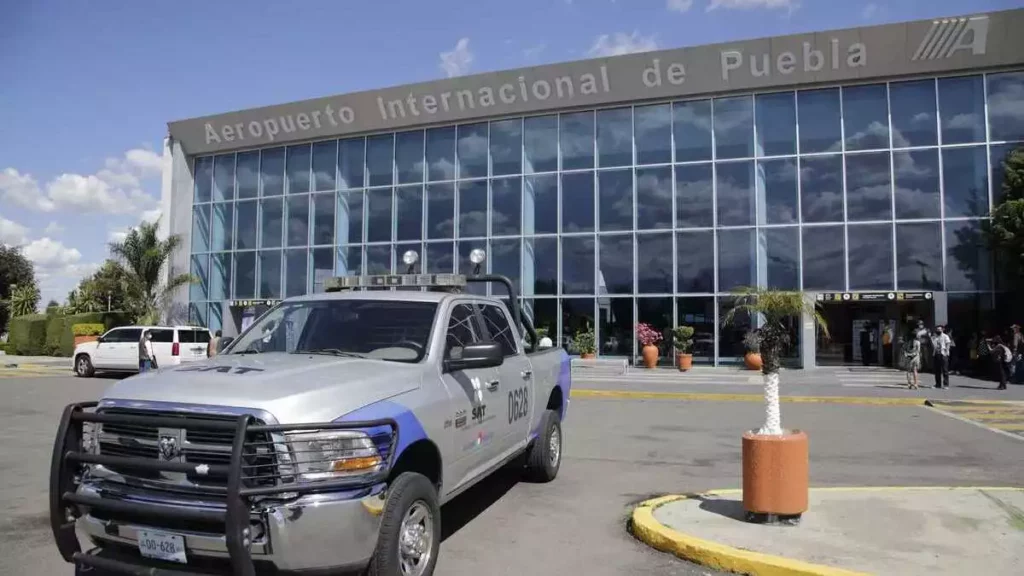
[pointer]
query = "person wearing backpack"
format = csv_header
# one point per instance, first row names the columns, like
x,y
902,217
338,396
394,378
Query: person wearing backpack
x,y
1003,357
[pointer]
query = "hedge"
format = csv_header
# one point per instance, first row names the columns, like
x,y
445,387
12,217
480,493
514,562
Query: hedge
x,y
50,335
89,329
28,334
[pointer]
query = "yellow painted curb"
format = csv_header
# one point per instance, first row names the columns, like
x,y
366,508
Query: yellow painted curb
x,y
722,557
728,397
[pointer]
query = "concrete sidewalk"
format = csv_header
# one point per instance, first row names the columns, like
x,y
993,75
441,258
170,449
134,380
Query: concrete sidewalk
x,y
904,531
9,359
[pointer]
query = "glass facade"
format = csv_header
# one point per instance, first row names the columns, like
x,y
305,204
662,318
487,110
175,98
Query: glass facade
x,y
648,213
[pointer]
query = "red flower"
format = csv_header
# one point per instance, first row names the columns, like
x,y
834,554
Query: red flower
x,y
647,335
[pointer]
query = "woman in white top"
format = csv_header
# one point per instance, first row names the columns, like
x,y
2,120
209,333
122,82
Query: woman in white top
x,y
912,357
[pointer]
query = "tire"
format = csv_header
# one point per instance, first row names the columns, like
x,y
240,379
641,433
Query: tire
x,y
544,456
409,494
83,366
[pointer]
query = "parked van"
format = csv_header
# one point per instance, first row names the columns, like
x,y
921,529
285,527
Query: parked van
x,y
118,349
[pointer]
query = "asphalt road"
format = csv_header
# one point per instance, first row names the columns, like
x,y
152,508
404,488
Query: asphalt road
x,y
617,452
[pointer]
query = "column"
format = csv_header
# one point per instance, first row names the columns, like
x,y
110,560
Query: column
x,y
808,336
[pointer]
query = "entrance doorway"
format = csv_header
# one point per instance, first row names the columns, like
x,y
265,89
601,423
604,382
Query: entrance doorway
x,y
868,329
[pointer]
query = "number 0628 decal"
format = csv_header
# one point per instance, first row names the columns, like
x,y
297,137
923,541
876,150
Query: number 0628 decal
x,y
518,404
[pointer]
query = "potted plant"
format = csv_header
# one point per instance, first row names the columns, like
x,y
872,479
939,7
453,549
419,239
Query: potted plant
x,y
543,340
752,345
648,338
775,461
86,332
585,343
682,339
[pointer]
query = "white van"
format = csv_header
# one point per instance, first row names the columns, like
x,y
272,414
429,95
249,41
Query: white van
x,y
118,349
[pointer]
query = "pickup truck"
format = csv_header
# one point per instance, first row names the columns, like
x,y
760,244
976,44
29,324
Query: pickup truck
x,y
324,439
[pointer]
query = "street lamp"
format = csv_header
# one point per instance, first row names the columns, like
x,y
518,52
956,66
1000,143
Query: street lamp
x,y
108,300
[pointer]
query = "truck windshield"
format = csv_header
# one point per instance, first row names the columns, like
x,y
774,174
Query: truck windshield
x,y
379,329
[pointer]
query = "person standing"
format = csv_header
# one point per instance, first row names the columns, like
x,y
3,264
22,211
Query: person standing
x,y
887,344
1003,358
213,346
865,345
912,360
147,358
940,356
1017,348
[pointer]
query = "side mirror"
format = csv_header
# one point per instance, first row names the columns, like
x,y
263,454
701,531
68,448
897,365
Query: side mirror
x,y
224,341
100,340
481,355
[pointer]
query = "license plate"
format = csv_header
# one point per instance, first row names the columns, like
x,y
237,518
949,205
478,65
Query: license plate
x,y
162,546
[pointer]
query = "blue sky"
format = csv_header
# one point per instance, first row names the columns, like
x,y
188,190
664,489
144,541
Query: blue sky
x,y
88,87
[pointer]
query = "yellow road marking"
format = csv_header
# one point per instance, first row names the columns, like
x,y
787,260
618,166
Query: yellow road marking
x,y
1007,415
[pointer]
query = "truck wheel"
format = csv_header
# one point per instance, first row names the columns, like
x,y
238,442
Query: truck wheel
x,y
410,530
83,367
545,454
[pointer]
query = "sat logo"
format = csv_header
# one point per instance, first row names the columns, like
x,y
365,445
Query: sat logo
x,y
948,36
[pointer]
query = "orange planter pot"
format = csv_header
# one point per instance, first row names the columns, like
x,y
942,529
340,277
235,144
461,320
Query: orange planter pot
x,y
775,473
588,356
684,362
81,339
650,354
752,361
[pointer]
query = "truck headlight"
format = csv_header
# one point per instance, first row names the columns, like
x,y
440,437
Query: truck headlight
x,y
329,455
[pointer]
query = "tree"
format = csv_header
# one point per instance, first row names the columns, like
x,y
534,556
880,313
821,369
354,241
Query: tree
x,y
144,255
24,299
110,286
15,270
774,308
1005,231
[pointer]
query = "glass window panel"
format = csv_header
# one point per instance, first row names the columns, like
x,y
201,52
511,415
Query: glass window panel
x,y
466,266
962,109
440,211
323,267
350,217
912,107
577,316
653,127
824,267
200,268
736,200
968,260
440,259
351,163
1006,106
654,254
472,152
506,200
541,144
730,335
247,174
616,199
734,127
916,183
540,204
543,314
323,219
919,256
224,178
578,202
820,129
999,153
654,198
473,209
614,137
378,221
870,256
868,187
325,165
245,275
821,188
409,158
409,212
505,260
197,313
737,259
694,196
298,169
201,228
699,314
577,264
507,147
380,160
223,229
965,181
298,220
781,254
270,274
691,126
296,271
204,178
616,273
378,259
776,124
695,262
540,265
657,312
866,117
441,153
272,172
617,328
220,276
776,190
576,140
349,261
247,216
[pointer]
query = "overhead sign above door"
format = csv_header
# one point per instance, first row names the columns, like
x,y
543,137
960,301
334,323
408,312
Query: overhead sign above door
x,y
872,296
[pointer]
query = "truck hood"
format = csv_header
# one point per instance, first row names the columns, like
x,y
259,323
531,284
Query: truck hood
x,y
294,388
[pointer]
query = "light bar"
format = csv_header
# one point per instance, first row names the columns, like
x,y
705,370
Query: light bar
x,y
337,283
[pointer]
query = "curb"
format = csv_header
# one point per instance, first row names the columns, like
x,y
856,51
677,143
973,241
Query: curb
x,y
731,397
650,531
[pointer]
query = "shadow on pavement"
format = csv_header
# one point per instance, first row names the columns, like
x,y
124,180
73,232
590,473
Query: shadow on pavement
x,y
471,503
732,509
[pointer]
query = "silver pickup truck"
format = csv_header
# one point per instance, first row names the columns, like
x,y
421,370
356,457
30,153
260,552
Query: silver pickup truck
x,y
323,440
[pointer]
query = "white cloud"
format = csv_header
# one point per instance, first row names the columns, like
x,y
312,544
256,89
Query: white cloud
x,y
23,190
151,215
58,268
870,9
679,5
458,60
12,233
621,43
53,229
50,254
118,235
146,161
789,5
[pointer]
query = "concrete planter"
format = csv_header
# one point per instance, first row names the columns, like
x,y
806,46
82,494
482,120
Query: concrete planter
x,y
588,356
753,361
650,355
775,475
684,361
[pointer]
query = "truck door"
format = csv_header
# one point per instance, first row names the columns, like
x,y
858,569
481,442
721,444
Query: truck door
x,y
515,376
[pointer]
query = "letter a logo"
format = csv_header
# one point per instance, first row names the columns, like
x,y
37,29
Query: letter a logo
x,y
949,36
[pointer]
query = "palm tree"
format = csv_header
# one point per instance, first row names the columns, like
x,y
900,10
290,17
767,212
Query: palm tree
x,y
24,299
774,307
144,255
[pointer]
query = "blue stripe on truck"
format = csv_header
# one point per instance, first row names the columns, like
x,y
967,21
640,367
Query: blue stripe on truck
x,y
409,428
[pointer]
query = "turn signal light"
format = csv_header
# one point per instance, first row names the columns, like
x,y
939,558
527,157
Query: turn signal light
x,y
355,464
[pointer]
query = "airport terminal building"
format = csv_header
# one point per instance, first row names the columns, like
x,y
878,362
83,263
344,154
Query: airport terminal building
x,y
856,165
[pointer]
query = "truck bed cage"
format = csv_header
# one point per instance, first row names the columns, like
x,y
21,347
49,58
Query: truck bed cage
x,y
70,458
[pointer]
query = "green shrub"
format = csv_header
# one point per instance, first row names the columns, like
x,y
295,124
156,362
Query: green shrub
x,y
87,329
3,347
60,336
28,335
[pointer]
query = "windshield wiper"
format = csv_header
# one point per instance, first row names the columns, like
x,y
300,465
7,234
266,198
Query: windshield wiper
x,y
331,352
248,351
